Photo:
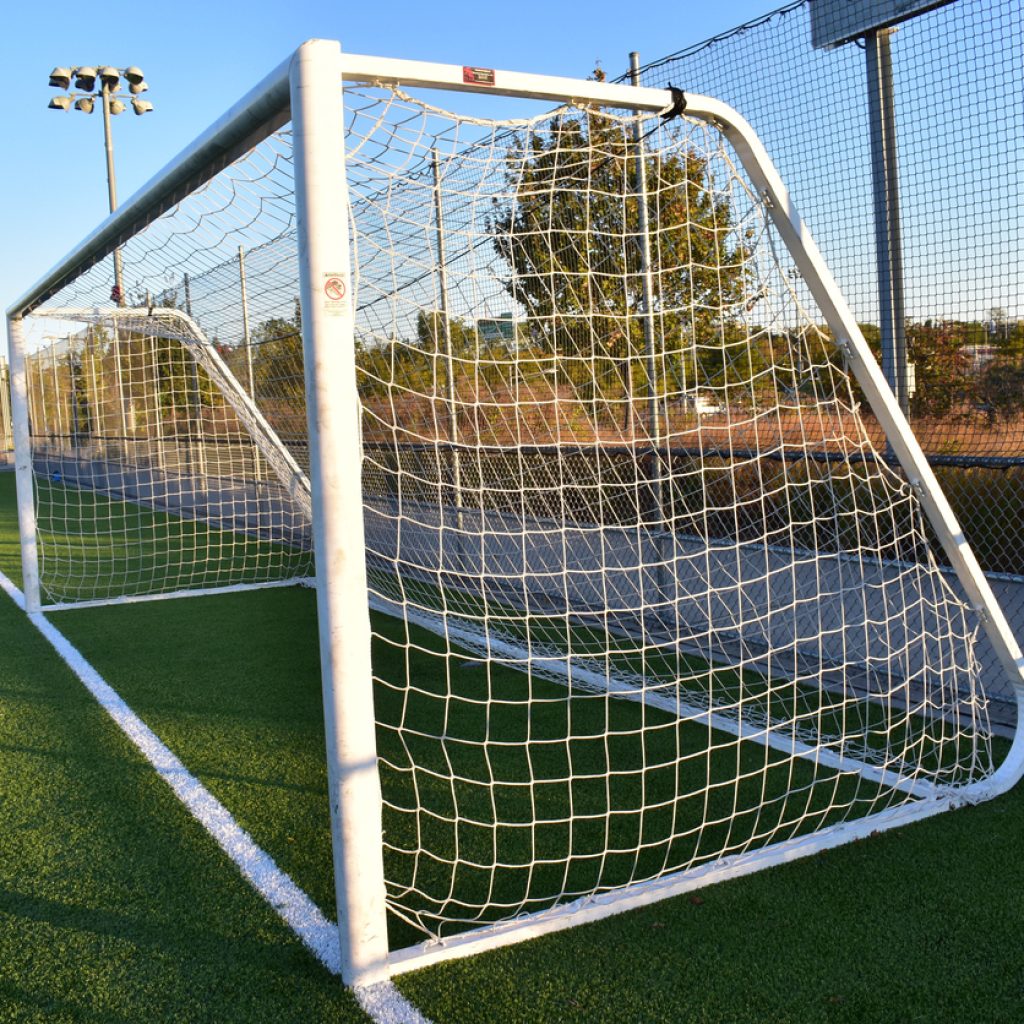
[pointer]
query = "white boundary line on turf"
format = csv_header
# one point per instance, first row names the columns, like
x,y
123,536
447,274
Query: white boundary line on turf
x,y
382,1002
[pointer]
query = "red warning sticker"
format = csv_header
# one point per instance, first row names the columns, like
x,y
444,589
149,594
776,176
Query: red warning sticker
x,y
335,300
478,76
334,288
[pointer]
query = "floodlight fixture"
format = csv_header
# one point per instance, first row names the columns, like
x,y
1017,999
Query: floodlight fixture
x,y
111,79
101,82
85,79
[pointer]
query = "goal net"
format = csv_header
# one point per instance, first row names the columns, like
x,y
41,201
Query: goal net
x,y
648,601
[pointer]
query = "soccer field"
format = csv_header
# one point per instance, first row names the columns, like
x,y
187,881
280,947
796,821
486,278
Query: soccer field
x,y
503,791
507,792
108,881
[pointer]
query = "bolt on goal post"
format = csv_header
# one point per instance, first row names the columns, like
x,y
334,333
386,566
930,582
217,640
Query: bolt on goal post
x,y
528,525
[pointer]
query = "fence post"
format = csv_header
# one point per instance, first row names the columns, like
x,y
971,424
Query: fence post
x,y
886,192
195,402
446,337
247,341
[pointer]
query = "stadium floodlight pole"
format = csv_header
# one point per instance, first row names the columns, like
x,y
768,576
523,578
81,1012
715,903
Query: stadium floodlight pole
x,y
84,99
108,146
886,192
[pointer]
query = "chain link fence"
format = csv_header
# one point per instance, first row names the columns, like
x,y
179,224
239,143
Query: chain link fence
x,y
958,75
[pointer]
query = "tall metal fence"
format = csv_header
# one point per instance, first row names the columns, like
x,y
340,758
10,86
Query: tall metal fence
x,y
958,77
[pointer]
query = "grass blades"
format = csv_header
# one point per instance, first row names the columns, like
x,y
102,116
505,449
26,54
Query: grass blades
x,y
115,906
93,547
520,791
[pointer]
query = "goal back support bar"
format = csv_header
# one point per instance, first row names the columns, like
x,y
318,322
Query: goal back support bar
x,y
307,90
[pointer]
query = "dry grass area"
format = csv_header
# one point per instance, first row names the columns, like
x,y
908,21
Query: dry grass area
x,y
557,416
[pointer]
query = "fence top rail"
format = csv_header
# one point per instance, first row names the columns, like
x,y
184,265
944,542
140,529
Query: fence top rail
x,y
267,107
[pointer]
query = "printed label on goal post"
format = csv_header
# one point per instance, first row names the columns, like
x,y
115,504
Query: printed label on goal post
x,y
477,76
335,294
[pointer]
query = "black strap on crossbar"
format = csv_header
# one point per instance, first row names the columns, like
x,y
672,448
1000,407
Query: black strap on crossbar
x,y
678,103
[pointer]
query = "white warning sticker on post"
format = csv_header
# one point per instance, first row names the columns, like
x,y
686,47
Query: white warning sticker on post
x,y
335,294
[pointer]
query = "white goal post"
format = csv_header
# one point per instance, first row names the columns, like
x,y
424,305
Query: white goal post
x,y
628,601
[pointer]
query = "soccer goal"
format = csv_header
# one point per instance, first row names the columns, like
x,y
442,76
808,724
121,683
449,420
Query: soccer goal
x,y
619,592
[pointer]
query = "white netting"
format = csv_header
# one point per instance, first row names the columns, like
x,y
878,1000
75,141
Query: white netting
x,y
645,593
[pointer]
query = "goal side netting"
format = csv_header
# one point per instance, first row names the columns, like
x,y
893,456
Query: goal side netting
x,y
649,599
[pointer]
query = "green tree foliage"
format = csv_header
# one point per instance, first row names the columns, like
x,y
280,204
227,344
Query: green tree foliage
x,y
1001,391
414,367
277,365
420,367
432,337
941,368
571,239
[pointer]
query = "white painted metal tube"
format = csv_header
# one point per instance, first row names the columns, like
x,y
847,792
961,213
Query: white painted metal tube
x,y
23,466
328,322
595,908
457,78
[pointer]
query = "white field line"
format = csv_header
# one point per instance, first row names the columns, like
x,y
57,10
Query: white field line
x,y
382,1002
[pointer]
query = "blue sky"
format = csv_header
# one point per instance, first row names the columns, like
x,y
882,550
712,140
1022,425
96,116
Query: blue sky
x,y
199,57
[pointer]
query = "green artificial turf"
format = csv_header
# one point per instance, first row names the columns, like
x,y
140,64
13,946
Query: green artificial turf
x,y
234,689
93,547
922,924
503,793
115,905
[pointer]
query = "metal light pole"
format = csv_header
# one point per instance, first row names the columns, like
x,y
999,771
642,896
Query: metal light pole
x,y
108,145
836,23
83,98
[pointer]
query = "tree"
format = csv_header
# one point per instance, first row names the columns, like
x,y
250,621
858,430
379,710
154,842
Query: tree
x,y
570,236
277,365
1001,391
941,369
